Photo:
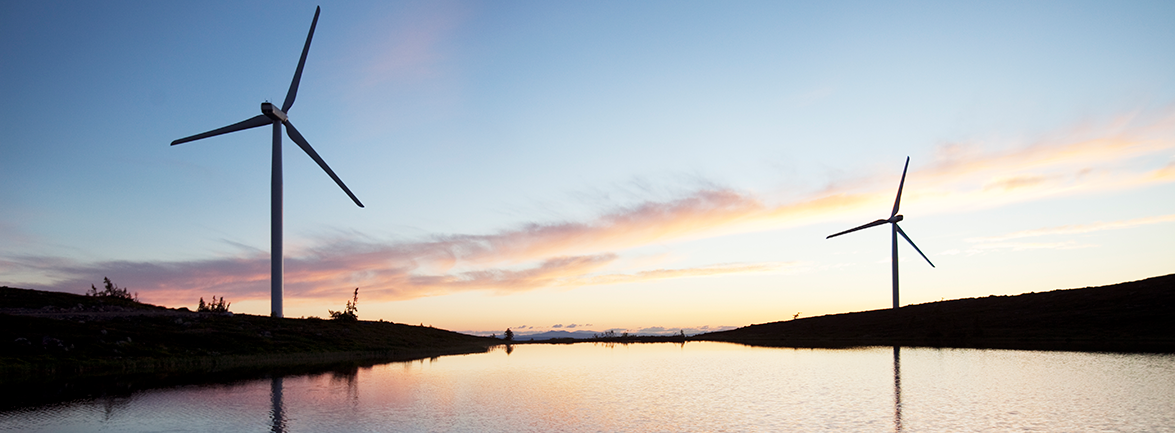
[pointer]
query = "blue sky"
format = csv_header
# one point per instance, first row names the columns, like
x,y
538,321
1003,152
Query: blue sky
x,y
627,166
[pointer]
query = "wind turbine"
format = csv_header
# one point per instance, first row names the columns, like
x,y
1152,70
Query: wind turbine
x,y
271,115
893,221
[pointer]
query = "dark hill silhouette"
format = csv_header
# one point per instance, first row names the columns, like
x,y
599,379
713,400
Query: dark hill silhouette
x,y
1137,316
54,334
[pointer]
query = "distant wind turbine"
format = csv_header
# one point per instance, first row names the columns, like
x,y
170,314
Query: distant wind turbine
x,y
893,220
277,117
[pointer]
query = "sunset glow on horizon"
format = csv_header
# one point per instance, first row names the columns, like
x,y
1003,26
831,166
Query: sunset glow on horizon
x,y
654,167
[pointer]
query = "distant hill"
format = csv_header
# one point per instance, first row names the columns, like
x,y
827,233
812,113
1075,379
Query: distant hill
x,y
1137,316
551,335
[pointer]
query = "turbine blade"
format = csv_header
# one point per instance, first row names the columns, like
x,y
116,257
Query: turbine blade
x,y
875,223
253,122
898,200
297,137
900,232
301,62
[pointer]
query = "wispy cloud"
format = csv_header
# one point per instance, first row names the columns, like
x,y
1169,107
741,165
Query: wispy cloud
x,y
1125,154
413,48
658,274
989,244
987,248
248,277
1078,228
591,251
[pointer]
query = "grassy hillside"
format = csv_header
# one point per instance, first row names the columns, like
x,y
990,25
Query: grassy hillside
x,y
1137,316
51,333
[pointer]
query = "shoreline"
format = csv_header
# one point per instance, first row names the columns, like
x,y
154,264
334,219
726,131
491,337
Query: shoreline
x,y
48,335
96,368
51,335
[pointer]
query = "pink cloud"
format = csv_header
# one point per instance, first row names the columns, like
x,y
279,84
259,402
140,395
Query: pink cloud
x,y
578,253
410,45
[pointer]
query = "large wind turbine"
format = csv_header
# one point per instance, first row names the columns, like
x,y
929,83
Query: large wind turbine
x,y
893,221
271,115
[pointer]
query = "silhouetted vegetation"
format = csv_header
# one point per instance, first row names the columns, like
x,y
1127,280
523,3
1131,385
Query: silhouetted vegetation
x,y
58,334
350,313
112,291
609,335
216,306
509,335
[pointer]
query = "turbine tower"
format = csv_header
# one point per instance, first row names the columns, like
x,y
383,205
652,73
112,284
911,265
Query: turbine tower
x,y
893,221
276,117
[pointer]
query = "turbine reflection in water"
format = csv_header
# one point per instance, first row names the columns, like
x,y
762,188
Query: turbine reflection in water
x,y
277,415
897,389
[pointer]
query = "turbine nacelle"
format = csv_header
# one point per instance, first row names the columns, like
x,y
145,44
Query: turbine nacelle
x,y
272,112
895,218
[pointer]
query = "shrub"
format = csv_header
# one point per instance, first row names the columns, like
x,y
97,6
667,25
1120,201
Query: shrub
x,y
350,313
112,291
214,307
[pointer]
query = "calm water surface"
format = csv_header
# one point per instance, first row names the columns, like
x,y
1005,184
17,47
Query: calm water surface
x,y
698,387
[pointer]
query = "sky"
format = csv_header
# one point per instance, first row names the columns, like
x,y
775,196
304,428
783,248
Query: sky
x,y
644,167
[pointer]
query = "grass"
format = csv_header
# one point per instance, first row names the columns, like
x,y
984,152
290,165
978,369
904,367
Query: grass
x,y
46,334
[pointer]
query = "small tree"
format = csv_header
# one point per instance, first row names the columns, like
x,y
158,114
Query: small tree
x,y
509,335
112,291
214,307
350,313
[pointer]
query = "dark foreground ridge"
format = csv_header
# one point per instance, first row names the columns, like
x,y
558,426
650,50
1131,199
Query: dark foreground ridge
x,y
1137,316
52,334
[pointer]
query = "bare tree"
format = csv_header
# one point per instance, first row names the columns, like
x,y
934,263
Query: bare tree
x,y
350,313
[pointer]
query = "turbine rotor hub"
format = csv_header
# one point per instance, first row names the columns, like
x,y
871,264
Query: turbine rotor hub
x,y
895,218
272,112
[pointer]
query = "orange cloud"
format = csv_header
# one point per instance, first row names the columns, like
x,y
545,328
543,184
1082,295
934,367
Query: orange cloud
x,y
1119,156
1166,173
576,253
1015,182
660,274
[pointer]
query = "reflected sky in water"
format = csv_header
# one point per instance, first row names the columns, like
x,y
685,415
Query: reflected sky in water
x,y
665,388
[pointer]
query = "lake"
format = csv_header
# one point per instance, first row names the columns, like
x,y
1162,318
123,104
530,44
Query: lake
x,y
663,387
